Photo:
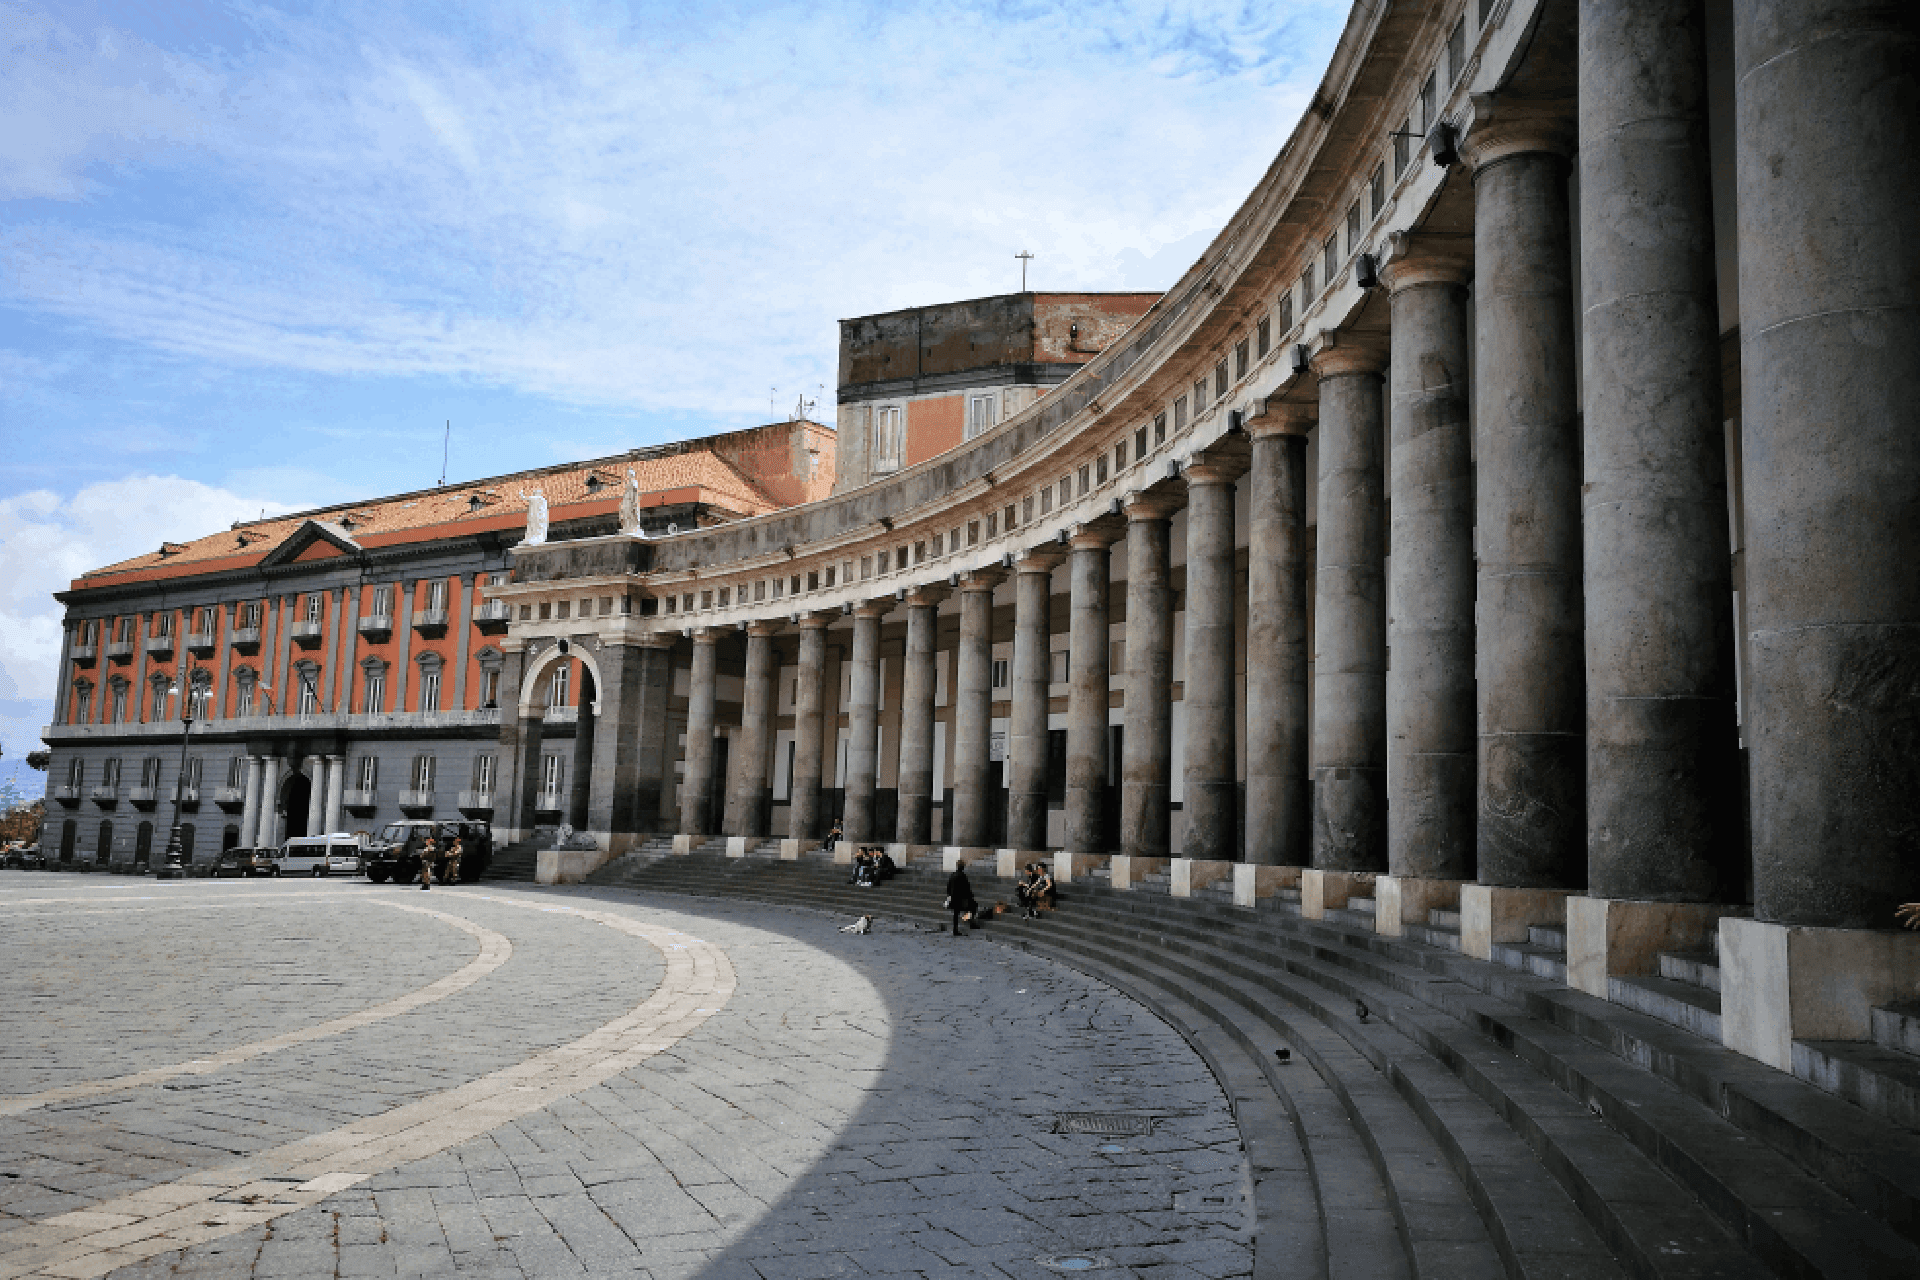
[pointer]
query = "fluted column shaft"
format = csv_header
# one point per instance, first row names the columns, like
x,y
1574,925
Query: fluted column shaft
x,y
1530,827
1087,708
1146,765
973,713
750,802
914,824
803,803
1027,728
1827,154
696,782
1350,622
1431,773
1211,788
1279,798
863,725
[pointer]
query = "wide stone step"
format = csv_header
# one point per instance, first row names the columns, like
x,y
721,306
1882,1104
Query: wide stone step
x,y
1897,1026
1696,968
1684,1004
1881,1080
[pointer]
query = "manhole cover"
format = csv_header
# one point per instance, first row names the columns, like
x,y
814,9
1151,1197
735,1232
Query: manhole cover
x,y
1075,1262
1105,1124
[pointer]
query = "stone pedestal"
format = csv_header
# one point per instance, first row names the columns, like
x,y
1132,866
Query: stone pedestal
x,y
1495,913
1399,901
737,846
1324,891
1192,874
1008,863
1127,871
1617,938
954,856
684,844
568,866
1779,983
1252,883
1068,867
904,854
843,853
790,850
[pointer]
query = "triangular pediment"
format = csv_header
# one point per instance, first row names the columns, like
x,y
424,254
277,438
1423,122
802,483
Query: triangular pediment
x,y
314,540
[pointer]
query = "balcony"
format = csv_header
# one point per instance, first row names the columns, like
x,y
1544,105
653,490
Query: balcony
x,y
430,622
562,715
105,796
416,804
245,639
189,797
85,654
376,626
68,796
200,644
161,646
492,617
391,722
549,802
231,799
476,802
308,632
359,801
141,797
119,650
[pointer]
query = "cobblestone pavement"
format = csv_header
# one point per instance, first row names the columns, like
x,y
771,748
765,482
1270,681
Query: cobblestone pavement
x,y
271,1079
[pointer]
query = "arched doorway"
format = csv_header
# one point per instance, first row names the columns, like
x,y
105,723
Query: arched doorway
x,y
229,838
293,803
69,836
142,844
103,851
186,843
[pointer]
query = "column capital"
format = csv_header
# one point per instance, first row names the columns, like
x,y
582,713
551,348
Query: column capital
x,y
1503,128
656,640
1095,537
1276,417
923,597
982,579
874,608
765,627
1206,470
1151,505
708,635
1415,258
818,620
1041,559
1339,353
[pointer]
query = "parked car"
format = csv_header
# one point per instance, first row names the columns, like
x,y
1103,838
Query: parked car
x,y
394,854
248,862
336,854
24,857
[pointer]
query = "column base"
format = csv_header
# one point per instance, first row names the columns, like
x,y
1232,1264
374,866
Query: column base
x,y
1495,913
1193,874
1068,867
1324,891
903,855
684,845
1399,901
954,856
1252,883
1620,938
790,850
1781,983
737,846
1009,862
1129,871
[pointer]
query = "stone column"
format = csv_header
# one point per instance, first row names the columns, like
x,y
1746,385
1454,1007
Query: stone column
x,y
250,811
1530,828
1829,324
316,794
973,712
1146,765
1211,784
336,792
1087,707
1430,704
1279,797
863,722
696,783
269,831
628,757
803,806
580,806
1350,626
750,804
915,823
1027,726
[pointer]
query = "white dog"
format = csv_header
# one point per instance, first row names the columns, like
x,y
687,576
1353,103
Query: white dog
x,y
863,925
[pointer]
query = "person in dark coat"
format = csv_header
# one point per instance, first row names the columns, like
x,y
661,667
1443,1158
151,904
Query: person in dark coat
x,y
960,898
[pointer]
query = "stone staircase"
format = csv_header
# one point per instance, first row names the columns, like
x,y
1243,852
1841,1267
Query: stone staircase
x,y
1442,1116
517,861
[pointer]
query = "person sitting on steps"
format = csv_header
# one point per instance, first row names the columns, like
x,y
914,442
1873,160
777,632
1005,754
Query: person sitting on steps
x,y
833,837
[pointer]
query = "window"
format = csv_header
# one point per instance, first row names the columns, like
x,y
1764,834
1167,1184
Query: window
x,y
1086,481
369,773
726,594
202,698
1066,491
483,775
382,601
1426,105
793,583
309,696
1000,673
313,606
159,711
1220,382
110,774
706,599
150,773
1180,414
1007,517
489,688
422,773
192,779
1199,396
437,595
1116,655
236,772
866,567
1160,429
1046,500
119,704
1139,444
376,699
760,590
76,771
1100,469
249,615
546,610
563,609
1377,191
526,612
899,562
1242,359
1332,257
1400,150
1306,287
162,624
552,774
557,687
1263,337
993,524
1026,509
1061,668
1286,311
243,701
84,704
979,414
1353,227
889,438
430,690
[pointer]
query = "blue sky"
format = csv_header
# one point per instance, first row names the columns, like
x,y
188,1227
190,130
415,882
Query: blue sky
x,y
254,257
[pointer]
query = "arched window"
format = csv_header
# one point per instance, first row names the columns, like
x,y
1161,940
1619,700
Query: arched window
x,y
430,666
245,683
490,660
306,687
82,700
373,686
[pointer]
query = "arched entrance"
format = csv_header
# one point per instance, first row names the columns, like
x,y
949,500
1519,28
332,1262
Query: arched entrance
x,y
229,838
69,836
142,843
186,842
103,851
294,796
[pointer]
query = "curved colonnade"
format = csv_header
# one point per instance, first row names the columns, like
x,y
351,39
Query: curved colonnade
x,y
1402,538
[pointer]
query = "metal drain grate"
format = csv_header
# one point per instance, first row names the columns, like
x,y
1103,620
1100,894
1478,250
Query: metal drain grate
x,y
1104,1124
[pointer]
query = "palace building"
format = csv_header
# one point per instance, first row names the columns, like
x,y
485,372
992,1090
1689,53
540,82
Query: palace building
x,y
1513,511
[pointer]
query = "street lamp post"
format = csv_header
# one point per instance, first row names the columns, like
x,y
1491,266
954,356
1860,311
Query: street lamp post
x,y
183,689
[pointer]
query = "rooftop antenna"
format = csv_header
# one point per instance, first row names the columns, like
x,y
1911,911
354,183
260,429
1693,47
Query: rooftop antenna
x,y
772,394
445,442
1025,258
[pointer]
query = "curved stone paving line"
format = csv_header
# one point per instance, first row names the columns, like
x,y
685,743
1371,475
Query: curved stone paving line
x,y
494,951
208,1204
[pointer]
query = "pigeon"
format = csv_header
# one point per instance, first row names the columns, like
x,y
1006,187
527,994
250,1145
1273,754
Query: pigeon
x,y
1360,1007
1285,1056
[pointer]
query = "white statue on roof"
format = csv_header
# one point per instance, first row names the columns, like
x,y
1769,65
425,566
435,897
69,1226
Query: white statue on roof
x,y
536,518
630,504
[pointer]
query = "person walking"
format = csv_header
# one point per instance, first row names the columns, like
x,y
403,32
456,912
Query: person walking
x,y
960,898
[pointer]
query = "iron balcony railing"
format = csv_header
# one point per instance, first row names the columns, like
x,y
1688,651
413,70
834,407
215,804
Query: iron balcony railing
x,y
317,721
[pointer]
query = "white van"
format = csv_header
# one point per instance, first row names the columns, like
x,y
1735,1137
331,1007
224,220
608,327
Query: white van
x,y
336,854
